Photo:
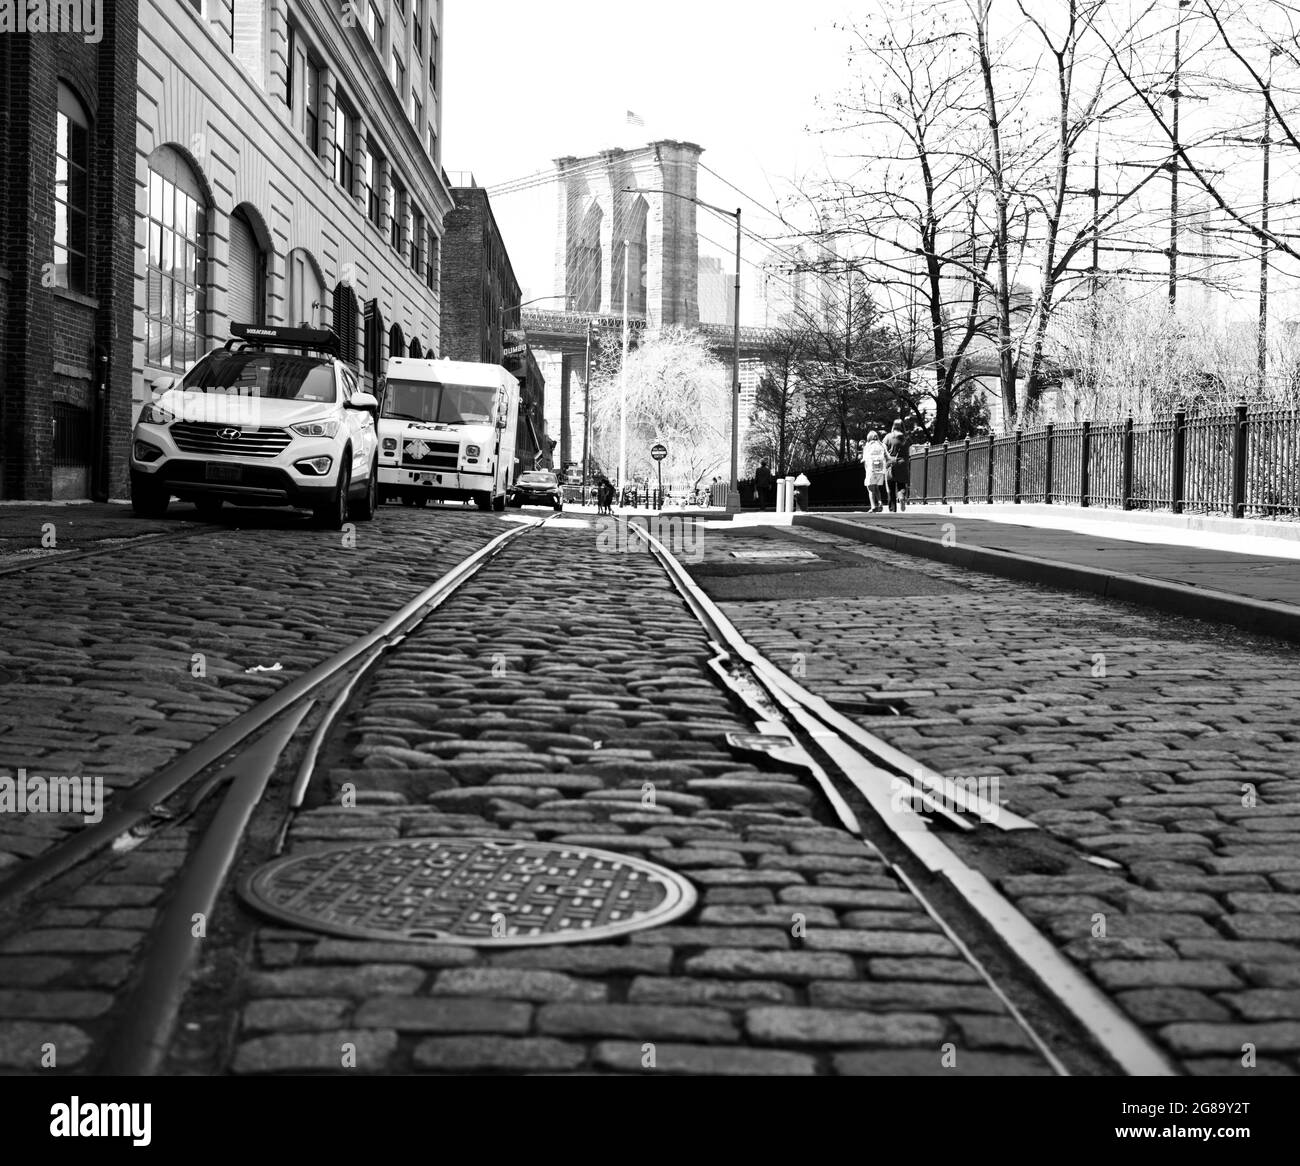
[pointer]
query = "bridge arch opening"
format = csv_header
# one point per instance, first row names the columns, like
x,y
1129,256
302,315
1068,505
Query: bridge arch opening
x,y
588,260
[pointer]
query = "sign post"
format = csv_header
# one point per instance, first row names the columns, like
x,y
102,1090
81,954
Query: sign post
x,y
659,451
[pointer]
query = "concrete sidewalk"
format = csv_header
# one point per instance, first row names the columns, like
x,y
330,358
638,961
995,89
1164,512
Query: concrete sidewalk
x,y
1260,592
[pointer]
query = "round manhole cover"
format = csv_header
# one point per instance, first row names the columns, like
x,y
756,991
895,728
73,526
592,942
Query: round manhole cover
x,y
481,892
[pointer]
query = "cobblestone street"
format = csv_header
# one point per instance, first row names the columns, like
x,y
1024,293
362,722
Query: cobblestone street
x,y
1164,747
563,696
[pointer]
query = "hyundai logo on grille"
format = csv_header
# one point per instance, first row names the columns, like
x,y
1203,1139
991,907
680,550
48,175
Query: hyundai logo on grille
x,y
229,433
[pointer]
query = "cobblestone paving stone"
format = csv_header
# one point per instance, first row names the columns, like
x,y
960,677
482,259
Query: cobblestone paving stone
x,y
804,955
1166,746
112,666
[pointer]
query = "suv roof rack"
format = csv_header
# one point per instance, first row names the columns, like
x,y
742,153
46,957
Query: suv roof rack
x,y
306,339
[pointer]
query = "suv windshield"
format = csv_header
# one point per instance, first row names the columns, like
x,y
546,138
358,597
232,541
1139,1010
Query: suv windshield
x,y
536,478
273,375
435,401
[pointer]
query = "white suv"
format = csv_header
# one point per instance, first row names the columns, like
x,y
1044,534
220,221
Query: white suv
x,y
258,427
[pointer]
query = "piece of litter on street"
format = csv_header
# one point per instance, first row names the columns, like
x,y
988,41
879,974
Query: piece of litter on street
x,y
1096,860
276,667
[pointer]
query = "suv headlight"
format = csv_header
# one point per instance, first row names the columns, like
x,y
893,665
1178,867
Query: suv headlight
x,y
316,428
155,414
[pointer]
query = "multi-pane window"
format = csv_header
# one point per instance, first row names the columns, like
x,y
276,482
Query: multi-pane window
x,y
345,132
417,240
375,26
417,110
417,25
288,71
433,142
397,228
313,106
433,56
71,195
374,176
399,74
176,298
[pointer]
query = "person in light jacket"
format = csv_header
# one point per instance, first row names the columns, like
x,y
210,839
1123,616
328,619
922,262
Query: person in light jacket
x,y
876,463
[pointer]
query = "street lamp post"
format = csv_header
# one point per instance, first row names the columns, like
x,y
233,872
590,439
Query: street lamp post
x,y
733,490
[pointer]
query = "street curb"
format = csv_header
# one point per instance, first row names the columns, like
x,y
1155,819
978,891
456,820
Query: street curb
x,y
1277,620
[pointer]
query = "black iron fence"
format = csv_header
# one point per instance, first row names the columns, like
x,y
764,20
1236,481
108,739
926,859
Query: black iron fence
x,y
1243,463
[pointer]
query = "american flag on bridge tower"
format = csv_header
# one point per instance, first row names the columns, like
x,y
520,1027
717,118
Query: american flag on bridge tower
x,y
634,119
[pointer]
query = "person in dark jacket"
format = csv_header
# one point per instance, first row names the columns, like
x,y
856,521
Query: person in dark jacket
x,y
897,477
763,485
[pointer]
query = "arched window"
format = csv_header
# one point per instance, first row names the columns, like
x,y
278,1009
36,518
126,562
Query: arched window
x,y
345,321
72,194
246,302
374,356
396,341
176,304
415,348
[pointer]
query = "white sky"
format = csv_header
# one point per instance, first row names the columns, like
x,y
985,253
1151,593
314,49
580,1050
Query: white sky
x,y
527,82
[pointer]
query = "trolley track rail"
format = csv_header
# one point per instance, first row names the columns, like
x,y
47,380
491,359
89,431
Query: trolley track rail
x,y
874,769
130,809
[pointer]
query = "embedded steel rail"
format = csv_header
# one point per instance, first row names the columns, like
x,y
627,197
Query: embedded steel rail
x,y
847,745
140,1043
126,543
137,805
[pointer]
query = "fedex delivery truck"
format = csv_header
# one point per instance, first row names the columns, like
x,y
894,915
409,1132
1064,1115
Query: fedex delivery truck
x,y
447,431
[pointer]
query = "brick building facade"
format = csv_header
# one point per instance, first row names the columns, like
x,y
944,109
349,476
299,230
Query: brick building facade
x,y
480,317
207,161
67,193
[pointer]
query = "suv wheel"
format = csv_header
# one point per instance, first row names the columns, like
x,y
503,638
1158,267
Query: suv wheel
x,y
364,510
147,500
331,515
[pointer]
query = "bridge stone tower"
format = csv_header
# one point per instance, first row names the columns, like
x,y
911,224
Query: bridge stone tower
x,y
605,202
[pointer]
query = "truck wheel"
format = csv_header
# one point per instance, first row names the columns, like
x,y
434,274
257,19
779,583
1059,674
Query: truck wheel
x,y
332,514
147,500
483,500
499,503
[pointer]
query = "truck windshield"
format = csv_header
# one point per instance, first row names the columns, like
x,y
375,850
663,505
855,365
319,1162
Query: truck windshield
x,y
435,401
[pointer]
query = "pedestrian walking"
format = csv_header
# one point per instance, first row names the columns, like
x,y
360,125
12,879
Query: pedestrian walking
x,y
762,485
898,475
876,462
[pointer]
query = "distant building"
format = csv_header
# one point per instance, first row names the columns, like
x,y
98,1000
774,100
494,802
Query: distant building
x,y
205,162
481,310
717,292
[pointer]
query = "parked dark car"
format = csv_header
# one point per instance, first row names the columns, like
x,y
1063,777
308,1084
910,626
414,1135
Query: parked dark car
x,y
536,488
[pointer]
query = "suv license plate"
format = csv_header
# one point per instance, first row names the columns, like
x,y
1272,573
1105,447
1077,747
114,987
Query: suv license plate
x,y
220,472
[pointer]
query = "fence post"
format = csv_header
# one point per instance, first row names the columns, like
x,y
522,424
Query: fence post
x,y
992,447
1085,452
944,473
1047,467
1239,462
925,473
1126,470
1016,481
965,474
1179,470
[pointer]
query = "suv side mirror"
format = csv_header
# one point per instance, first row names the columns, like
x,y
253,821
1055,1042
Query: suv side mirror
x,y
363,401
